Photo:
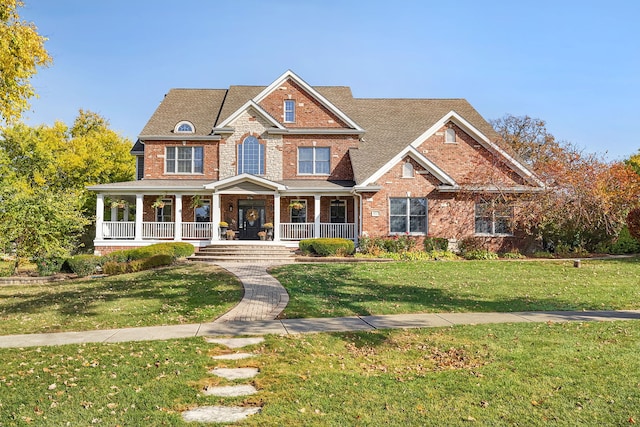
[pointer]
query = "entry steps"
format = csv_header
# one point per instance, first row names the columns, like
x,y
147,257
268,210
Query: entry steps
x,y
259,252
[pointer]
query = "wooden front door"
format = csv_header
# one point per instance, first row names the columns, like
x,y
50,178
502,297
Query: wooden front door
x,y
251,216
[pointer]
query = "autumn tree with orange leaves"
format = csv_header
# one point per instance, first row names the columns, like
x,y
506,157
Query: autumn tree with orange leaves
x,y
587,199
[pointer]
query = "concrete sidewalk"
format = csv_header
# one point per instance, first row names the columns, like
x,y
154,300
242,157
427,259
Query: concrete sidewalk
x,y
300,326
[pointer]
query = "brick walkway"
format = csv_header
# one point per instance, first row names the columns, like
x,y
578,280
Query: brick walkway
x,y
264,297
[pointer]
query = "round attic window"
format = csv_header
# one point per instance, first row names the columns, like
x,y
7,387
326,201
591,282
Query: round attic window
x,y
184,127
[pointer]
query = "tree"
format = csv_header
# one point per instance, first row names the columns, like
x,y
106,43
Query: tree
x,y
40,224
586,200
634,162
21,53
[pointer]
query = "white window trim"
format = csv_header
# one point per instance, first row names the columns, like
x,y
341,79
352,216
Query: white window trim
x,y
262,153
407,215
408,171
168,204
292,111
450,136
184,122
204,201
175,161
493,222
314,173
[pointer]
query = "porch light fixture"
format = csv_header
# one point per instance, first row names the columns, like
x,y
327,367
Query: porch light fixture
x,y
230,207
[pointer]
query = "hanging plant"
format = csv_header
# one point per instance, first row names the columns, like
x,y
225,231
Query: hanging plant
x,y
297,205
119,203
196,201
158,204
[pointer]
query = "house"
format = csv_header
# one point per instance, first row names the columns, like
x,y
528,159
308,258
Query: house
x,y
313,161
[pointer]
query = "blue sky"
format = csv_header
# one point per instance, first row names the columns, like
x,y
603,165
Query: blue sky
x,y
574,64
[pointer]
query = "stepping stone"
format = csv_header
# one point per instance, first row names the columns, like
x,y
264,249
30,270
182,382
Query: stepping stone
x,y
218,414
235,373
231,391
235,342
234,356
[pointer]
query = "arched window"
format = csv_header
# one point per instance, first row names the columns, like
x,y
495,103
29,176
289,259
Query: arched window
x,y
251,156
407,170
183,127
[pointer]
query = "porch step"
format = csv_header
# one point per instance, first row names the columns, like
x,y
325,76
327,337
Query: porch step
x,y
229,252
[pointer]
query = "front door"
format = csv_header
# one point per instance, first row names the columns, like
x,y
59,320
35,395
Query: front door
x,y
251,216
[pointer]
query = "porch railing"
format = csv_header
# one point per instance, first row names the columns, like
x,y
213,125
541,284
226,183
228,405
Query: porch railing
x,y
197,230
299,231
157,230
345,230
118,229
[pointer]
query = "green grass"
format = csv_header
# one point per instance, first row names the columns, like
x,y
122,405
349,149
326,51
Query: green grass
x,y
495,375
181,294
348,289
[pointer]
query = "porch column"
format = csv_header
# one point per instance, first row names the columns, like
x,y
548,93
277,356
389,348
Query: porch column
x,y
139,215
177,232
114,214
99,217
215,217
126,213
276,217
356,219
316,216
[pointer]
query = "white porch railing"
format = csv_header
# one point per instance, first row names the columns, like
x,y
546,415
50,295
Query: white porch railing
x,y
157,230
197,230
296,231
118,229
299,231
345,230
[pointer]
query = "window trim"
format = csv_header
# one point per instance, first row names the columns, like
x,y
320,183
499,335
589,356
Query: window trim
x,y
408,171
450,136
341,203
176,129
176,160
313,161
168,203
195,210
491,207
408,215
287,111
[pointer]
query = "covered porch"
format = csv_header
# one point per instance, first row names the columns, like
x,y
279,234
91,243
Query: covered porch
x,y
244,208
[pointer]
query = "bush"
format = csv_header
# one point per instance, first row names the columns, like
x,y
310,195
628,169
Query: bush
x,y
370,246
512,255
48,266
83,265
436,244
480,254
112,268
7,269
624,244
328,247
177,249
543,254
174,249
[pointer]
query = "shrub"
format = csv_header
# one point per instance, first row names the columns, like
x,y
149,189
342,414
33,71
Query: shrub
x,y
112,268
7,269
175,249
542,254
328,247
624,244
83,265
178,249
370,246
48,266
480,254
472,243
436,244
116,256
512,255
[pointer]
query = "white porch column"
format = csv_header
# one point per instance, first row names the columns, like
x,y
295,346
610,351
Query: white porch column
x,y
276,217
316,216
215,217
114,214
356,219
99,217
177,232
139,215
126,213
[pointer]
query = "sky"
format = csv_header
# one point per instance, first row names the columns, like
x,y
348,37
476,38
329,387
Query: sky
x,y
574,64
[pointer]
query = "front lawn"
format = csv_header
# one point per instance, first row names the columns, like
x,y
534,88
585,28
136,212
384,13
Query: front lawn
x,y
495,375
350,289
181,294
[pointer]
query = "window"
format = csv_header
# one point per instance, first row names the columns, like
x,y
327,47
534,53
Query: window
x,y
493,217
251,156
203,212
314,160
450,136
408,215
184,160
184,127
407,170
139,167
289,111
338,211
165,213
299,215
